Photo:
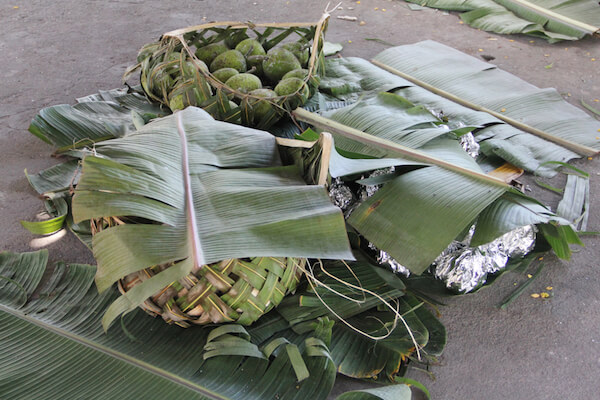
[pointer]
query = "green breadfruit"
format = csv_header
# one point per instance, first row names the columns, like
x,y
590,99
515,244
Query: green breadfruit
x,y
229,59
262,107
279,62
209,52
224,74
254,64
300,50
296,73
296,87
250,47
244,83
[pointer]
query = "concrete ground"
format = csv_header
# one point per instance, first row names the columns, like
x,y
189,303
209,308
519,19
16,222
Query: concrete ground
x,y
53,52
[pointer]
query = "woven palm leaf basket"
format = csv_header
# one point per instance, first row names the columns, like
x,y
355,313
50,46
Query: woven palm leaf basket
x,y
173,74
233,290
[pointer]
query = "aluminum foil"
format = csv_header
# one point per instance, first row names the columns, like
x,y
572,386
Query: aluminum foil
x,y
341,195
464,268
369,190
461,267
468,142
386,260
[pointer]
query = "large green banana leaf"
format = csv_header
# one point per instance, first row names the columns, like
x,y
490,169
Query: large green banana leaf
x,y
467,80
553,20
206,191
349,78
416,215
94,118
51,328
53,347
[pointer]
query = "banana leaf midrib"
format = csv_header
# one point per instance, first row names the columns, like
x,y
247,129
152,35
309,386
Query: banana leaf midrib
x,y
576,147
190,212
413,154
110,352
556,16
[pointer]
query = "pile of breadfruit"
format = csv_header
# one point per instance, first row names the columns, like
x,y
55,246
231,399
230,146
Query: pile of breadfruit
x,y
252,80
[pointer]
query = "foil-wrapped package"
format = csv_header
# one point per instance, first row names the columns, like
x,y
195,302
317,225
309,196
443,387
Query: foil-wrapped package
x,y
386,260
341,195
369,190
468,142
464,268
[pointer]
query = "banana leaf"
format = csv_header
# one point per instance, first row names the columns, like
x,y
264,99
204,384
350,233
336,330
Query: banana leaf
x,y
469,81
509,212
205,191
98,117
416,215
358,323
57,209
54,346
553,20
495,137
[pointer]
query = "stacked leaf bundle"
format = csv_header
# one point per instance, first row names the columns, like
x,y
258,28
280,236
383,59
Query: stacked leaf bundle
x,y
180,220
249,74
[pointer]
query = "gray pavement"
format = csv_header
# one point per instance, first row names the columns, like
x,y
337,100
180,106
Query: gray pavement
x,y
54,52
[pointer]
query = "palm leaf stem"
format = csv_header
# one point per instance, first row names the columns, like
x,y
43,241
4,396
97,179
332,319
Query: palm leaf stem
x,y
355,134
576,147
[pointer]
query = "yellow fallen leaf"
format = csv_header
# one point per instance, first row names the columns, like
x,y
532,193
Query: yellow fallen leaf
x,y
503,110
590,158
349,41
480,49
511,40
532,41
593,59
383,9
544,295
535,295
597,100
461,22
358,2
541,258
529,276
376,8
16,7
362,23
549,288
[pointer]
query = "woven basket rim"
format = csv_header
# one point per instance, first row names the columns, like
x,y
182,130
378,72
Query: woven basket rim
x,y
277,101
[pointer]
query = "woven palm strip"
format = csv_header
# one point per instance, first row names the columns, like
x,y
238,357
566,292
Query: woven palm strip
x,y
230,291
172,75
234,290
